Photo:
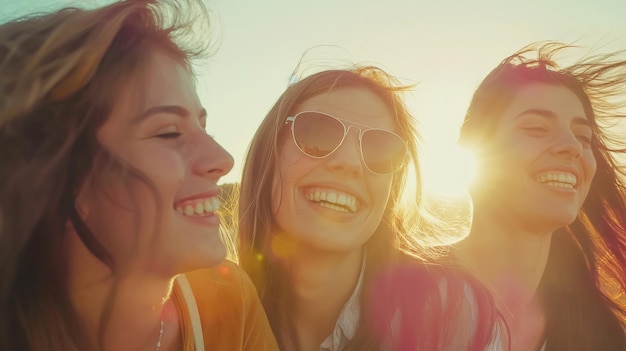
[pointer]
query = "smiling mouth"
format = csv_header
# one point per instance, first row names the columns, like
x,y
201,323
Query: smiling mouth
x,y
198,207
563,180
332,199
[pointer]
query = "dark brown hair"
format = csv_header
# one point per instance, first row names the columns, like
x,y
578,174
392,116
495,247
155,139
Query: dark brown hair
x,y
584,283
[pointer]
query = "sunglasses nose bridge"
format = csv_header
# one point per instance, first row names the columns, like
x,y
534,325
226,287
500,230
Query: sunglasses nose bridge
x,y
347,156
359,131
346,139
347,131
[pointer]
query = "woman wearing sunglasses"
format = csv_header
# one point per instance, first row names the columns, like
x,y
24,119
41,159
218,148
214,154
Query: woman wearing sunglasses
x,y
321,221
549,233
109,238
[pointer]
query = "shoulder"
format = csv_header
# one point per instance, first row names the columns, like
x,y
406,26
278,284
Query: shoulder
x,y
413,275
228,308
407,291
227,281
430,303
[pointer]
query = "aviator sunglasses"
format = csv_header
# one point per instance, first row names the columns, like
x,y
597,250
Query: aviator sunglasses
x,y
319,134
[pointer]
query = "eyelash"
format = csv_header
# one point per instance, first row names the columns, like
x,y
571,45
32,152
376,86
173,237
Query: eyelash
x,y
174,133
536,129
582,138
171,135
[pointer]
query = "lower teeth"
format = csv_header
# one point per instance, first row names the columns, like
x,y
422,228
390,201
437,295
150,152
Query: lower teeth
x,y
332,207
560,185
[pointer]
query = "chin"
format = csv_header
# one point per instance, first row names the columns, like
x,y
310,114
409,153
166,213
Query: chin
x,y
562,220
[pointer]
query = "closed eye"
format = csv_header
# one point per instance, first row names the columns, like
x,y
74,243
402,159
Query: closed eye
x,y
536,131
171,135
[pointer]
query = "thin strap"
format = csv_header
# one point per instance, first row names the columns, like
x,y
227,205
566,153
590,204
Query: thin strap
x,y
194,315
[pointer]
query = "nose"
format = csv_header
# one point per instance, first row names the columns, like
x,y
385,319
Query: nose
x,y
346,160
567,145
213,161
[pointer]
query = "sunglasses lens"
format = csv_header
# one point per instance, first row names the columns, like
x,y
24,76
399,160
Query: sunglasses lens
x,y
316,134
383,152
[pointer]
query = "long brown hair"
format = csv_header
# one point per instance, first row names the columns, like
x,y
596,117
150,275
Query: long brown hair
x,y
61,73
583,286
257,226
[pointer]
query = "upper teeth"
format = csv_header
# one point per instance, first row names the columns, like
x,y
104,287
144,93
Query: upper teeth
x,y
335,200
560,179
199,207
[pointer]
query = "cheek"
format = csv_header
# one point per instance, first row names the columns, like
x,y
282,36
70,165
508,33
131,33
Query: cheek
x,y
284,185
509,157
170,170
590,167
166,169
293,165
380,188
291,157
105,198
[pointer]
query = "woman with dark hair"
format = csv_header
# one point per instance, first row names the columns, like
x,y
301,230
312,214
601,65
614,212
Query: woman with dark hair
x,y
324,223
108,189
548,237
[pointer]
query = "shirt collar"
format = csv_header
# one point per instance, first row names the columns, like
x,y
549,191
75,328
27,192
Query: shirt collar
x,y
348,320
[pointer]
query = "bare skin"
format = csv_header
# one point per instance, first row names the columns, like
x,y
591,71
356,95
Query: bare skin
x,y
322,284
511,266
140,305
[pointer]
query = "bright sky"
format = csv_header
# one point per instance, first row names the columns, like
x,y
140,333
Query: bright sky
x,y
446,47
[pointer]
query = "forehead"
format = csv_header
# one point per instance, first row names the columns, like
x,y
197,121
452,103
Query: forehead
x,y
168,83
163,81
556,99
357,105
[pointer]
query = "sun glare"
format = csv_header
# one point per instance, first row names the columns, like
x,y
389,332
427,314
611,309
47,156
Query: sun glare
x,y
447,169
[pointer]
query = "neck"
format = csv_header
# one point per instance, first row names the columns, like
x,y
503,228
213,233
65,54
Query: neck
x,y
507,258
510,261
322,284
119,312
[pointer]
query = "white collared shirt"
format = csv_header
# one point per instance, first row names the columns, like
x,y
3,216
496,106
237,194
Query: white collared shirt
x,y
348,320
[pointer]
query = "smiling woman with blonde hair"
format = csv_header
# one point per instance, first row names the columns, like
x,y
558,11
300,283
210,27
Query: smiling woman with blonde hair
x,y
324,223
109,238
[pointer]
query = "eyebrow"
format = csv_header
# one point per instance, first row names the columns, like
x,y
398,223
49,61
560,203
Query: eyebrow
x,y
169,109
551,115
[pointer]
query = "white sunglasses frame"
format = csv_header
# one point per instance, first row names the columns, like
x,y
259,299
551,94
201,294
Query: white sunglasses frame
x,y
346,128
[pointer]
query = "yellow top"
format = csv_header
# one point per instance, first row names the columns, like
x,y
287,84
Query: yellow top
x,y
228,309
